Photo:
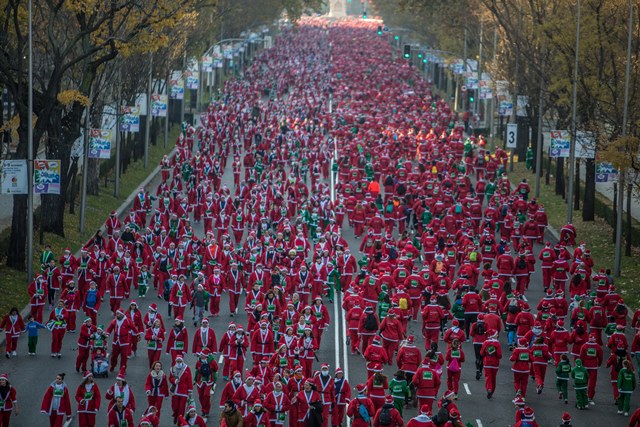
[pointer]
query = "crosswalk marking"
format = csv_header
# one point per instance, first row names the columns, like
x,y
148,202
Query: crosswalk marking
x,y
466,388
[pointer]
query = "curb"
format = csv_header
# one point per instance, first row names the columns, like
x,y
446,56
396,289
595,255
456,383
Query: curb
x,y
121,213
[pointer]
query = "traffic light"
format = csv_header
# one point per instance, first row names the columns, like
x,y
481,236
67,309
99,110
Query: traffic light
x,y
396,38
379,30
472,99
407,51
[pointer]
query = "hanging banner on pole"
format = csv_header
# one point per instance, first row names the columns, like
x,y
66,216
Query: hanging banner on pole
x,y
521,105
485,89
605,172
472,80
130,119
46,176
560,145
192,79
512,135
14,177
159,105
99,143
207,64
177,88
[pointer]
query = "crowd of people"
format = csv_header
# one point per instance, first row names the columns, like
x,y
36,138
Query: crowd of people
x,y
445,239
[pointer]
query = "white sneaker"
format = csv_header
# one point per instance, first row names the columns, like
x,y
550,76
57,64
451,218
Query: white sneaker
x,y
626,414
14,353
592,403
619,412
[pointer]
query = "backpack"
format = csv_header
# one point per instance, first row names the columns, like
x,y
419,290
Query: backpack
x,y
370,323
480,330
364,413
205,370
393,253
403,304
522,263
385,416
92,298
167,290
513,307
598,319
441,417
473,256
454,366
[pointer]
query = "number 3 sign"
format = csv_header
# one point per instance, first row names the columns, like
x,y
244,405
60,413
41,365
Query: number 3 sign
x,y
512,135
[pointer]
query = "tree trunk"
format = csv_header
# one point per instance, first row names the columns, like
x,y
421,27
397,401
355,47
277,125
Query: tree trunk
x,y
93,177
627,247
589,204
615,211
560,177
576,187
16,255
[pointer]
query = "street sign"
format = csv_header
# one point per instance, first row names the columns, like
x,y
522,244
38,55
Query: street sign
x,y
512,135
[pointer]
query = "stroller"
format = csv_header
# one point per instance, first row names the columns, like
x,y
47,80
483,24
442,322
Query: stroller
x,y
99,363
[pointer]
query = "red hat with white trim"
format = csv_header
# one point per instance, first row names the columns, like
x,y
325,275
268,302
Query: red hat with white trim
x,y
121,375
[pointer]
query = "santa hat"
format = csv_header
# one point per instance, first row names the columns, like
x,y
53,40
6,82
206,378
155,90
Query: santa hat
x,y
4,377
179,319
566,417
410,339
120,375
191,408
425,409
448,394
120,311
518,401
339,371
179,356
153,307
87,374
205,352
324,365
388,398
237,374
360,388
257,403
377,367
145,422
528,413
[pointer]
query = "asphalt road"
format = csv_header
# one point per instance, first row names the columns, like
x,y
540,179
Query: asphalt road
x,y
31,375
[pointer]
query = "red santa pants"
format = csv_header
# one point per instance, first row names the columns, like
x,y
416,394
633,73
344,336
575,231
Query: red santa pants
x,y
366,341
36,312
390,347
426,401
81,360
593,379
57,335
86,419
12,342
307,365
55,419
354,339
234,297
153,356
430,335
114,304
178,310
214,305
546,277
204,396
337,416
5,417
520,381
539,371
453,381
178,405
325,414
490,379
155,401
121,351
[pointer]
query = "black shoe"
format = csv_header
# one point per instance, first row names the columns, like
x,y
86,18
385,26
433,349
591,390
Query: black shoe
x,y
8,356
489,394
478,375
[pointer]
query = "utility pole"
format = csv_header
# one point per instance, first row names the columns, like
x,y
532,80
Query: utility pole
x,y
166,119
184,90
475,104
148,119
85,162
572,149
30,159
625,119
116,191
494,94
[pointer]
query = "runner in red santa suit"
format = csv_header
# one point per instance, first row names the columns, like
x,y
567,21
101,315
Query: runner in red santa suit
x,y
354,411
239,344
491,353
307,347
191,418
181,386
180,296
277,404
56,402
325,385
391,331
246,395
156,387
262,342
423,419
234,284
205,377
347,267
58,321
230,388
205,337
178,339
89,400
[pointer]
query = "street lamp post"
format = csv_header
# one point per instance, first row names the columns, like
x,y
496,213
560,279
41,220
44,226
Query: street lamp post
x,y
625,119
572,149
148,120
30,152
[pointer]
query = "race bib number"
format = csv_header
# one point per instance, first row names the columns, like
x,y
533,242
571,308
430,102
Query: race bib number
x,y
523,357
427,375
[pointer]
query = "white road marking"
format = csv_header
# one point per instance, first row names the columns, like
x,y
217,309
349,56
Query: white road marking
x,y
220,359
336,332
479,423
345,350
524,297
466,388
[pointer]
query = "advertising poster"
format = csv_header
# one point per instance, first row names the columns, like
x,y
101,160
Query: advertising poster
x,y
46,176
